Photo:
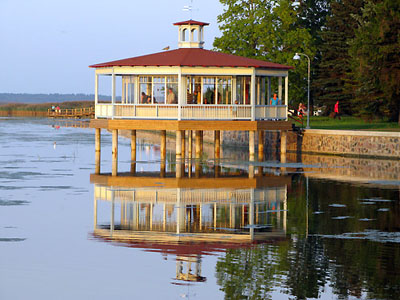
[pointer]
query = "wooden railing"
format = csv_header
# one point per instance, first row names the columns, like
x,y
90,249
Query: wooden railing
x,y
77,113
189,112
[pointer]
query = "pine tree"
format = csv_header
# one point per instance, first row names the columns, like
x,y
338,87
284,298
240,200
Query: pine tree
x,y
335,66
376,60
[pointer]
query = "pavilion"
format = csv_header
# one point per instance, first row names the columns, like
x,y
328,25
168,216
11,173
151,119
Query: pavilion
x,y
191,88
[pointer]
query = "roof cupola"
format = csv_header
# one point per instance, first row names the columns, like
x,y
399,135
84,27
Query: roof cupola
x,y
191,34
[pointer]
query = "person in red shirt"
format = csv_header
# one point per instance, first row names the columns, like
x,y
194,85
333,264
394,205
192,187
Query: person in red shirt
x,y
336,110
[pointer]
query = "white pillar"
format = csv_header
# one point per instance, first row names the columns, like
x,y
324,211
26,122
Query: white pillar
x,y
253,95
280,88
269,90
113,94
263,91
287,94
96,88
180,87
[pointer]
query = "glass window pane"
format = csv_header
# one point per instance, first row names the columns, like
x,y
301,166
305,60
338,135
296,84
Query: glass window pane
x,y
145,93
224,90
242,90
172,79
209,90
193,89
159,93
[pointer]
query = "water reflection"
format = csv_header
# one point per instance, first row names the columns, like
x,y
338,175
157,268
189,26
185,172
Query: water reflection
x,y
274,235
191,217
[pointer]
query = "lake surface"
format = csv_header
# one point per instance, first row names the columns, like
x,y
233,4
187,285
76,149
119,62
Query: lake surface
x,y
299,230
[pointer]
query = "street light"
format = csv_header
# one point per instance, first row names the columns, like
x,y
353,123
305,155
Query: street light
x,y
297,57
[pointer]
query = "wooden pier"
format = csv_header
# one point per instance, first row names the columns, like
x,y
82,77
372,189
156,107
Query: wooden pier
x,y
189,138
72,113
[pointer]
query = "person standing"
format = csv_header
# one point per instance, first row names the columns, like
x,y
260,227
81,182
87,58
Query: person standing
x,y
274,100
336,110
170,97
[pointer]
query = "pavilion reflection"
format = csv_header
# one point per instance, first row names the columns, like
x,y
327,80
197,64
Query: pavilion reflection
x,y
190,217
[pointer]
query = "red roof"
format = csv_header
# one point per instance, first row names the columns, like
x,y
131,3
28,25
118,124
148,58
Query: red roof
x,y
191,22
192,57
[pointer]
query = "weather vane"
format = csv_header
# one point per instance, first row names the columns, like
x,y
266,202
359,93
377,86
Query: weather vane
x,y
189,8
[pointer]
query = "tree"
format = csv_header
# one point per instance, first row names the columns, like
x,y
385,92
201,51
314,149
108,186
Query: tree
x,y
266,30
334,69
312,16
376,60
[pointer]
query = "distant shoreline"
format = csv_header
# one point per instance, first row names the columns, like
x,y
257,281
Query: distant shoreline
x,y
38,109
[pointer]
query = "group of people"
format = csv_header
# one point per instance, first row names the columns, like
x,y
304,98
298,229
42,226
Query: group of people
x,y
55,109
146,99
302,110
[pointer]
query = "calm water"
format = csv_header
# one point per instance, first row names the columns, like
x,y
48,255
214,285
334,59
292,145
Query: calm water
x,y
303,230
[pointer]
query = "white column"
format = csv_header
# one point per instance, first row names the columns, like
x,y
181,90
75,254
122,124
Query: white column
x,y
233,89
263,91
280,88
253,95
269,90
113,94
180,93
96,88
287,95
136,87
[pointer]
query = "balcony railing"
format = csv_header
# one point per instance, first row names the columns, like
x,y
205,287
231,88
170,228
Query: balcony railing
x,y
190,112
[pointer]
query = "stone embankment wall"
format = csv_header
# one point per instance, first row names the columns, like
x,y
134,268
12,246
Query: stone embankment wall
x,y
337,142
346,142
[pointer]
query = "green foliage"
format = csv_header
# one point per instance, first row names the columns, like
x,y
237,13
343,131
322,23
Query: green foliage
x,y
335,65
267,30
376,60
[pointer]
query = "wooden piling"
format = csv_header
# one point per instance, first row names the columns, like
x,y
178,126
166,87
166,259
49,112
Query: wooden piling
x,y
178,147
217,144
183,143
97,150
251,144
283,141
133,151
114,152
260,145
190,143
198,144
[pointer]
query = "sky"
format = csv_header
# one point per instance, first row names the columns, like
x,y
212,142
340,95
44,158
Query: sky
x,y
46,46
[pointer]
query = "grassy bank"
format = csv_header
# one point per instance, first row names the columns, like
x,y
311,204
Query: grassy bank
x,y
351,123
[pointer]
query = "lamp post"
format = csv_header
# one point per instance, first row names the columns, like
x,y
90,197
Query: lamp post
x,y
297,57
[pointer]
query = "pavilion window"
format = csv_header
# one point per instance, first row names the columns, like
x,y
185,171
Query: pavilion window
x,y
145,90
159,90
128,89
224,90
243,90
193,89
209,87
172,85
260,91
